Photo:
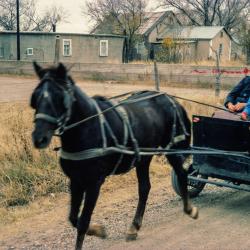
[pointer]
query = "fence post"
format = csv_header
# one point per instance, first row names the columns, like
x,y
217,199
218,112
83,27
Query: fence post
x,y
218,76
157,80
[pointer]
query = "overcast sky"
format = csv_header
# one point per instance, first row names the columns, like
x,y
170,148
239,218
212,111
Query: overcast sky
x,y
77,22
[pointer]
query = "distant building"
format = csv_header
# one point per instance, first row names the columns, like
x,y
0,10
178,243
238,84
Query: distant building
x,y
191,42
63,47
197,42
154,23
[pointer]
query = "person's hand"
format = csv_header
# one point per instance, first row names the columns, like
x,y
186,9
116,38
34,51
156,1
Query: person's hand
x,y
239,106
244,116
231,107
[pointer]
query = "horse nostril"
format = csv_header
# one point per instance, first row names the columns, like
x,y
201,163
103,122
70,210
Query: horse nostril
x,y
42,140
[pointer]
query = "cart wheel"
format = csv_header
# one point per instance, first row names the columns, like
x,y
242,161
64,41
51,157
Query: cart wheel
x,y
194,187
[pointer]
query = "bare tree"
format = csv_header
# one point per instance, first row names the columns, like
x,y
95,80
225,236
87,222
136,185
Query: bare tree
x,y
29,17
244,36
54,15
124,17
8,14
227,13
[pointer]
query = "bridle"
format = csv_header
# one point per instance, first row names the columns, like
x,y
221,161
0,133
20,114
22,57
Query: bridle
x,y
68,99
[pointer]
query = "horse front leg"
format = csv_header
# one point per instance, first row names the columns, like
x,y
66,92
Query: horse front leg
x,y
83,224
142,172
75,203
177,164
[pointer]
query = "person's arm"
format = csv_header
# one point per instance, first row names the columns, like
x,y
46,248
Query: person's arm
x,y
235,92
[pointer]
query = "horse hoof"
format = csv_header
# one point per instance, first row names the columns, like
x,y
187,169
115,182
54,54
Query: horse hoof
x,y
97,230
131,237
132,233
194,214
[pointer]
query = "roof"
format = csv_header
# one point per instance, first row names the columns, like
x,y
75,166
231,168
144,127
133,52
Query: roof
x,y
193,32
151,19
59,33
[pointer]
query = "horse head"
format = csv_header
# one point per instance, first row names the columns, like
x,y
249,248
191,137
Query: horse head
x,y
52,100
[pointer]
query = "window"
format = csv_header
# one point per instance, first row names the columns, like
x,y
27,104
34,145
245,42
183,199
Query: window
x,y
1,52
104,48
220,49
221,34
29,51
67,47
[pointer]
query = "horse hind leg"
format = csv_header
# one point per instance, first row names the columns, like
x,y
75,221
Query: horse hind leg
x,y
142,172
177,163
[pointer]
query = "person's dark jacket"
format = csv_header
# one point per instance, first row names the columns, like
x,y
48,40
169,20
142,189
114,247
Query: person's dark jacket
x,y
240,93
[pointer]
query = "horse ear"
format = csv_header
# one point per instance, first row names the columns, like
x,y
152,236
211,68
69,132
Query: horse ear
x,y
61,71
38,70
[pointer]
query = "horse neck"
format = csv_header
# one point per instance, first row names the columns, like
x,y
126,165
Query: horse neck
x,y
78,138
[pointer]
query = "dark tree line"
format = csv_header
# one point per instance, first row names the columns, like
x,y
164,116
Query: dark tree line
x,y
30,20
227,13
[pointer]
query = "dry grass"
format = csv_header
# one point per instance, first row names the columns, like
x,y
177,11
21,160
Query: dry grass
x,y
25,173
232,63
238,63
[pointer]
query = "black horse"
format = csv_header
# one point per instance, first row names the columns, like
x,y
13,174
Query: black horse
x,y
90,128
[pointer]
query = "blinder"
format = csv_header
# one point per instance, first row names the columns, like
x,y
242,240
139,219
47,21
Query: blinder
x,y
68,99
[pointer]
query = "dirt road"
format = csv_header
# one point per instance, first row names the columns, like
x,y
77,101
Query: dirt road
x,y
224,214
223,223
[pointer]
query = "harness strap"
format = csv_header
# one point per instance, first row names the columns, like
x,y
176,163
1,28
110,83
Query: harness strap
x,y
85,154
46,117
99,152
176,138
102,121
124,116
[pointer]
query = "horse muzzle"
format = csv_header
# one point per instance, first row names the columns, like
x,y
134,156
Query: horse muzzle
x,y
40,140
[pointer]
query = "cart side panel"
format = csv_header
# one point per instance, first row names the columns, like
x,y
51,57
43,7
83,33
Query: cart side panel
x,y
224,135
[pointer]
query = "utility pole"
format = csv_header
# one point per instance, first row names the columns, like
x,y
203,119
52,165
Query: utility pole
x,y
157,79
17,31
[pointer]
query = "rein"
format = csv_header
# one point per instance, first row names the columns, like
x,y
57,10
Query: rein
x,y
122,149
99,152
117,106
137,100
174,96
111,108
136,151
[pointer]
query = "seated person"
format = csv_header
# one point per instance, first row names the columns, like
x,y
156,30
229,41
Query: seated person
x,y
236,100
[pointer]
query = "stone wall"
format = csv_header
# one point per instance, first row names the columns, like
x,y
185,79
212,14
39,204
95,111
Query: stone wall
x,y
169,73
